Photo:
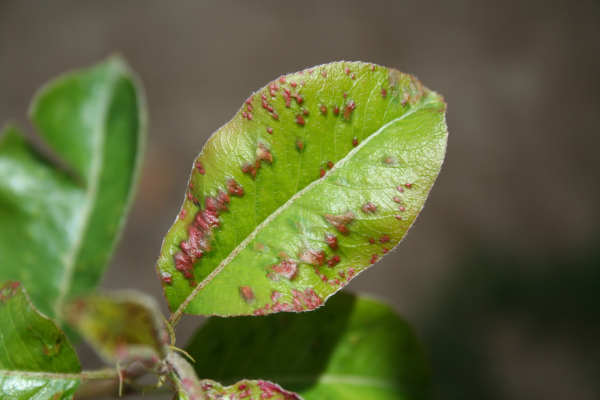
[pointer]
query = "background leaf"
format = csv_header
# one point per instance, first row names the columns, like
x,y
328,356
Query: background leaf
x,y
121,326
317,176
192,388
58,229
352,348
36,359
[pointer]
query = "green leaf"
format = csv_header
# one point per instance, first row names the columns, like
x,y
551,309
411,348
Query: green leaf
x,y
352,348
59,227
121,326
317,176
36,359
191,388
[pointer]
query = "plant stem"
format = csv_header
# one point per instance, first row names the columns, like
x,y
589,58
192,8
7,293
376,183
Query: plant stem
x,y
97,383
105,382
100,374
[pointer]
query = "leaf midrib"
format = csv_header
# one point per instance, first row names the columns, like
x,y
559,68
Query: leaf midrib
x,y
83,375
90,199
244,243
42,375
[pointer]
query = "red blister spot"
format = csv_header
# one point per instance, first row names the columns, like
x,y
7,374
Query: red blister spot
x,y
234,188
350,107
286,268
333,261
200,167
331,241
369,208
247,293
312,257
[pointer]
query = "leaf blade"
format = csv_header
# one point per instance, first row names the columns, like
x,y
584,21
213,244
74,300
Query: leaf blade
x,y
352,348
189,387
122,327
36,358
283,170
64,225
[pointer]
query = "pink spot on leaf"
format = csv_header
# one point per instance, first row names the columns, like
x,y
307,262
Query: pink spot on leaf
x,y
313,257
331,241
333,261
340,221
275,296
286,269
234,188
263,154
247,294
166,277
350,107
369,208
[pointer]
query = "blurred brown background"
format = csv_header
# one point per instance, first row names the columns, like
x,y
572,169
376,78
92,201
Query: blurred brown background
x,y
501,274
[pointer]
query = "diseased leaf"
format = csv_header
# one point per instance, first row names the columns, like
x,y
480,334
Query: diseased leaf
x,y
58,229
352,348
122,326
36,359
192,388
318,175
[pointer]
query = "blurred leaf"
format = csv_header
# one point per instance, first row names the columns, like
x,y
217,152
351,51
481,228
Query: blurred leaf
x,y
192,388
36,359
353,348
59,228
319,174
503,305
122,326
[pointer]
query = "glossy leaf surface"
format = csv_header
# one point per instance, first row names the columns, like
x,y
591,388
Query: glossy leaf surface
x,y
36,359
121,326
352,348
317,176
192,388
58,229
